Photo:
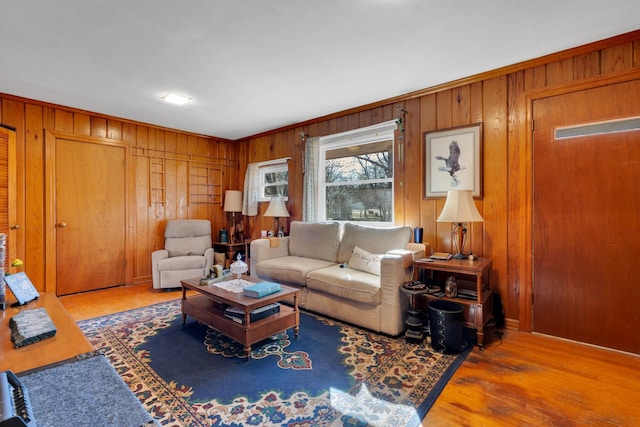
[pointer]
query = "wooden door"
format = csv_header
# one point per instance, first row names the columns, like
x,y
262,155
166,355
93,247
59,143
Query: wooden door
x,y
90,215
8,209
586,216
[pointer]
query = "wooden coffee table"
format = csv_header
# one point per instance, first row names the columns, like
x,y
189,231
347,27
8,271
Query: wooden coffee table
x,y
209,304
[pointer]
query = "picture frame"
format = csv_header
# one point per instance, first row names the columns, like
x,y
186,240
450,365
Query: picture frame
x,y
22,288
458,149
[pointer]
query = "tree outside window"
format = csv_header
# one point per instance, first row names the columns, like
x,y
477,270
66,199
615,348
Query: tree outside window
x,y
274,181
358,182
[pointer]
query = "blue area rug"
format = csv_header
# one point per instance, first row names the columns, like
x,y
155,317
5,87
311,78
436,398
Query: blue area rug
x,y
333,374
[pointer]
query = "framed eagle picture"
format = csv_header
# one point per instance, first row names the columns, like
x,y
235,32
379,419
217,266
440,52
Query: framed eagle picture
x,y
453,160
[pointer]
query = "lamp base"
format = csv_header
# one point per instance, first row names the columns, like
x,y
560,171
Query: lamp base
x,y
459,256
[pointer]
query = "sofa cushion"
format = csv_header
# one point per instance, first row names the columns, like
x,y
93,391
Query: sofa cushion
x,y
315,240
365,261
182,263
372,239
346,283
290,270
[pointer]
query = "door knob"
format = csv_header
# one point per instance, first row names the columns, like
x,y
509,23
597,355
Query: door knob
x,y
62,224
15,227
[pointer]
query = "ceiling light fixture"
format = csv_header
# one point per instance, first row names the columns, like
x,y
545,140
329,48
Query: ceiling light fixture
x,y
175,98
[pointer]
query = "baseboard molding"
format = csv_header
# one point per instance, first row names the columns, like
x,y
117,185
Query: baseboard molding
x,y
143,280
512,324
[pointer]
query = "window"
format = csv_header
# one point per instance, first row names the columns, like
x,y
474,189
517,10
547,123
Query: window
x,y
274,180
356,175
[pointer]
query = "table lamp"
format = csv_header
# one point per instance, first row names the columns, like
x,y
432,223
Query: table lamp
x,y
233,204
459,209
277,209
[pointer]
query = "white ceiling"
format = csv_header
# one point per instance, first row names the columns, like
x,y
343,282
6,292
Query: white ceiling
x,y
255,65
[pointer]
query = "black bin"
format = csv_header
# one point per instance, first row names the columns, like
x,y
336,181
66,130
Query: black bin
x,y
446,322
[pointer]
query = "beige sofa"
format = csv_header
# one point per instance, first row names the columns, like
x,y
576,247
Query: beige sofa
x,y
352,273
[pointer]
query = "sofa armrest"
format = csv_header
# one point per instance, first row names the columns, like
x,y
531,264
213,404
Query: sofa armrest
x,y
262,249
209,256
419,250
156,256
413,252
393,273
396,267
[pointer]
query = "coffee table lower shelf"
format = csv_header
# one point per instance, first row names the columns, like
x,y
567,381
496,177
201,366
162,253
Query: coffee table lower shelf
x,y
211,313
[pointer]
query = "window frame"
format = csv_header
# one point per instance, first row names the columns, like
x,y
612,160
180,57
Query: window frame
x,y
367,135
272,167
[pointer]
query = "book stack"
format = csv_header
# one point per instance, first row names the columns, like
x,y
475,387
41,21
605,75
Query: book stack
x,y
30,326
444,256
467,294
261,289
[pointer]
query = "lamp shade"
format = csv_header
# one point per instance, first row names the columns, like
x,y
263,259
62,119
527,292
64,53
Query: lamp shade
x,y
459,207
233,201
277,208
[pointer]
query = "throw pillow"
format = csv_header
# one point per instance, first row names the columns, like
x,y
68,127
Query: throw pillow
x,y
365,261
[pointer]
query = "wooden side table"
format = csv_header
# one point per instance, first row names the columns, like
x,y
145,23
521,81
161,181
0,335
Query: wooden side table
x,y
470,275
230,249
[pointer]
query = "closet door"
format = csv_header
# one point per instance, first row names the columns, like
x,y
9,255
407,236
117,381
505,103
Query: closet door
x,y
89,223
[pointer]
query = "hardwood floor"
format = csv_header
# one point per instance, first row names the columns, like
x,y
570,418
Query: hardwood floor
x,y
521,380
92,304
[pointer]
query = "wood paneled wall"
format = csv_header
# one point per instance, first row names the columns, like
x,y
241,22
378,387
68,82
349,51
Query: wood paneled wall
x,y
499,100
167,164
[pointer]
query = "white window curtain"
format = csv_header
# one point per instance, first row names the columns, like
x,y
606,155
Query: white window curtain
x,y
310,185
250,195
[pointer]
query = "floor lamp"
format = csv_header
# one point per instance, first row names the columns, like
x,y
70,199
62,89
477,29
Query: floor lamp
x,y
277,209
233,204
459,209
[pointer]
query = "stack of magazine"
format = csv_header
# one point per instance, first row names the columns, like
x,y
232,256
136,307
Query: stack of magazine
x,y
444,256
237,314
467,294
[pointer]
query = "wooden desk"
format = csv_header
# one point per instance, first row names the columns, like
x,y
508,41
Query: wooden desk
x,y
69,341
